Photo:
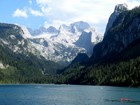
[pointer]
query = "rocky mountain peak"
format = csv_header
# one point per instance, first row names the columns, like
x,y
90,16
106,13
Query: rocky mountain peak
x,y
120,8
84,41
80,25
75,27
51,29
63,28
42,30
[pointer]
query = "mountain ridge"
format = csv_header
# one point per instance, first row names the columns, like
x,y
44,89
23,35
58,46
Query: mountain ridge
x,y
117,10
63,46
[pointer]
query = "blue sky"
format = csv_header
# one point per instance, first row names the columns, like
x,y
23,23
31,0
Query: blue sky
x,y
36,13
8,8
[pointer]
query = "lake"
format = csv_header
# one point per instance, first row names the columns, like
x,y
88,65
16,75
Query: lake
x,y
68,95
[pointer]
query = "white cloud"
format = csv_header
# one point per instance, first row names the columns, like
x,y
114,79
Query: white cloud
x,y
20,13
30,2
95,12
35,12
55,23
133,3
42,2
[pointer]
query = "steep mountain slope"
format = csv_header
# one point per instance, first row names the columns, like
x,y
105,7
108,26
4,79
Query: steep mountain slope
x,y
12,37
84,41
55,51
124,31
80,58
19,53
118,9
64,44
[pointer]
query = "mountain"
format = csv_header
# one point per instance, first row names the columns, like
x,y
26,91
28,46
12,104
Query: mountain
x,y
52,29
115,60
41,30
34,57
79,26
19,56
80,58
65,43
84,41
125,30
118,9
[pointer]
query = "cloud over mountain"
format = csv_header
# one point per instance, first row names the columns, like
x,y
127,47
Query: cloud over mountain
x,y
57,12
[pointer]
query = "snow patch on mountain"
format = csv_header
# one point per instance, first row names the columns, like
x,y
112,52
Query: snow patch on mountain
x,y
64,44
26,33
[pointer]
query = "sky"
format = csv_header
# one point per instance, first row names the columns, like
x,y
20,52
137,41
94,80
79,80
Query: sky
x,y
37,13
